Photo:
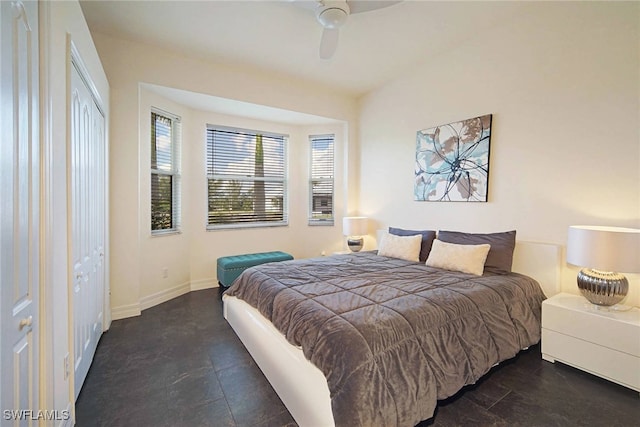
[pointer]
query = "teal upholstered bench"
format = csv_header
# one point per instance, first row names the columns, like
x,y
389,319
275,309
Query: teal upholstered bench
x,y
230,267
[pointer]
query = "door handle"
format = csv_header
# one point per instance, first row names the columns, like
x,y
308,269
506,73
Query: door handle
x,y
27,321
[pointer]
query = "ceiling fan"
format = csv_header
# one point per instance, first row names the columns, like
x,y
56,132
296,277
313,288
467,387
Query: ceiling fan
x,y
332,14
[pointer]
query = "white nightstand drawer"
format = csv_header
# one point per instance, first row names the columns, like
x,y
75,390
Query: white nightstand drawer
x,y
616,366
604,343
574,316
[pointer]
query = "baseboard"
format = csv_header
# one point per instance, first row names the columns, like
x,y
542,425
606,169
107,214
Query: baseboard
x,y
164,296
199,285
132,310
124,311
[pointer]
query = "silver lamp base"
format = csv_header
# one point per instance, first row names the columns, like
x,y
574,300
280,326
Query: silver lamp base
x,y
355,243
601,287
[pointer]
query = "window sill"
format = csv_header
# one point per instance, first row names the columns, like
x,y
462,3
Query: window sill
x,y
160,233
245,226
321,223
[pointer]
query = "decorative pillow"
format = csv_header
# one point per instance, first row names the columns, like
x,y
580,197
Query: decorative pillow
x,y
502,246
427,239
464,258
403,247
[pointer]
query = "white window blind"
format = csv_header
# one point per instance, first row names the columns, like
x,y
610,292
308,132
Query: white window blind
x,y
165,177
246,174
321,187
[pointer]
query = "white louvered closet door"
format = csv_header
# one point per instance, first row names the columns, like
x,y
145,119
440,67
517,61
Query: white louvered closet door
x,y
87,226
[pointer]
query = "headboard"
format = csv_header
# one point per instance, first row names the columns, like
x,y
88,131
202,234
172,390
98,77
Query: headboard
x,y
541,261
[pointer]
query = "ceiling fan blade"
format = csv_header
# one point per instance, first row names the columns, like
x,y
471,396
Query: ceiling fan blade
x,y
359,6
311,5
329,42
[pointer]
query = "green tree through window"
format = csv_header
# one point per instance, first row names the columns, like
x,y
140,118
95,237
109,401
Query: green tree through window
x,y
246,173
164,173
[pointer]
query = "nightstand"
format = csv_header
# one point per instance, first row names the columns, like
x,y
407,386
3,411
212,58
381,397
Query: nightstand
x,y
603,343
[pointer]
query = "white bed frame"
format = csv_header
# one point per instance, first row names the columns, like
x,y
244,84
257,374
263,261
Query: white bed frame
x,y
301,385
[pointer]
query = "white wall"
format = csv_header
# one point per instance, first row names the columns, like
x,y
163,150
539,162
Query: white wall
x,y
63,20
563,88
137,259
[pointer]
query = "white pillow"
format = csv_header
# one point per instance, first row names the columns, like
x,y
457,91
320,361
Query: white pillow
x,y
464,258
403,247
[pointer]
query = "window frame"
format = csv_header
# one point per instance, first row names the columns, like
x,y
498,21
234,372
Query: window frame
x,y
284,179
313,221
174,172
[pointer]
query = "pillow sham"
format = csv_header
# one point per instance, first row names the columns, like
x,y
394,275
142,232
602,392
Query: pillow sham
x,y
403,247
464,258
427,239
502,245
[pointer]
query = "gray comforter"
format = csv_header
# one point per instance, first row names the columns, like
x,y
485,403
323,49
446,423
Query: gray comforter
x,y
392,337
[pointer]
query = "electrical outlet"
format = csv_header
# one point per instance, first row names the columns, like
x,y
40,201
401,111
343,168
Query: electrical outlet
x,y
66,366
165,273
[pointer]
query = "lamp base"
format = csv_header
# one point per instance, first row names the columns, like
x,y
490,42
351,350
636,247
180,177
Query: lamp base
x,y
355,243
602,287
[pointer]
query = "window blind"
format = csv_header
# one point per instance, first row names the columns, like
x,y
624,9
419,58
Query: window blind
x,y
246,173
321,183
165,178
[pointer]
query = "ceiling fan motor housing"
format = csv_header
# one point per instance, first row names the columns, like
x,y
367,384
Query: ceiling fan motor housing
x,y
333,14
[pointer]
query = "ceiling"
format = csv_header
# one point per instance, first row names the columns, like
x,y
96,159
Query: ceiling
x,y
283,37
203,102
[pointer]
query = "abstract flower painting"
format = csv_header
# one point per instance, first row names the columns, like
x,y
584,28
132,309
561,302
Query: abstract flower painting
x,y
452,161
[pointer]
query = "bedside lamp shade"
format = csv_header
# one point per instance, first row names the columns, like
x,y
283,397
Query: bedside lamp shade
x,y
604,251
354,227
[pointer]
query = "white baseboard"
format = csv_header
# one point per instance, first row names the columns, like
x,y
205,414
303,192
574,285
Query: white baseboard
x,y
124,311
164,296
198,285
132,310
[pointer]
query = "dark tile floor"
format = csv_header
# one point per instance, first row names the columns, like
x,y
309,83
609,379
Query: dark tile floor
x,y
180,364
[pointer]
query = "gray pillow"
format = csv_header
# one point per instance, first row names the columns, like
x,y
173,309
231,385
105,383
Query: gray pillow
x,y
427,239
502,245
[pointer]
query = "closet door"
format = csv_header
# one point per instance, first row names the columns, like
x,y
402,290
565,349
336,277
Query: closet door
x,y
86,222
19,210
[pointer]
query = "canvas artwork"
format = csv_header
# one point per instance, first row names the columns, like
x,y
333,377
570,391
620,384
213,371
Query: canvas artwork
x,y
452,161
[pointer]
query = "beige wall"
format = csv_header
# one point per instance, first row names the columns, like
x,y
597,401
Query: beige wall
x,y
190,256
298,238
563,87
161,251
138,259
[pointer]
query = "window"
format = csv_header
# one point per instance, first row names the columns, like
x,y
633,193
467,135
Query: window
x,y
246,176
165,176
321,180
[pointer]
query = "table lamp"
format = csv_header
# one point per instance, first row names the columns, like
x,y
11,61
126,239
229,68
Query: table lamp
x,y
354,227
603,251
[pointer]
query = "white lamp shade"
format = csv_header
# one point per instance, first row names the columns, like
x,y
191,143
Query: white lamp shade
x,y
612,249
354,226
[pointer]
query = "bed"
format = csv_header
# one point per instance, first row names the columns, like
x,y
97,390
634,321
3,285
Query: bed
x,y
366,339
